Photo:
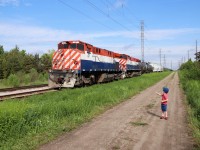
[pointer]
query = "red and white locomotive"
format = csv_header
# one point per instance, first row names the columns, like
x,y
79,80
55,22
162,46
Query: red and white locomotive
x,y
77,63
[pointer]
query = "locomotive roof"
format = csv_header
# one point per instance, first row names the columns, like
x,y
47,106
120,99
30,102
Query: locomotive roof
x,y
115,53
76,41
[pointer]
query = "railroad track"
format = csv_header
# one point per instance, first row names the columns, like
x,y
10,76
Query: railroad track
x,y
20,92
22,87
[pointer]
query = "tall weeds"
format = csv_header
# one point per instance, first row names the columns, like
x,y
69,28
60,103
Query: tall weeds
x,y
190,80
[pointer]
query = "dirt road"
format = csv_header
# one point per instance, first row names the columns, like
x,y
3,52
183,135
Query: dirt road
x,y
134,125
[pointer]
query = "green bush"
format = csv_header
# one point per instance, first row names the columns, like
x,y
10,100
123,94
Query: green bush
x,y
191,70
20,75
4,83
42,78
27,79
21,79
13,80
34,75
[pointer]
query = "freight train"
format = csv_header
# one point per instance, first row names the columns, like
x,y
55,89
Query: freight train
x,y
77,63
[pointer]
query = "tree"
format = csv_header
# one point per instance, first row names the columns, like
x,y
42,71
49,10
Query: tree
x,y
1,50
15,60
37,63
28,63
1,68
46,62
1,61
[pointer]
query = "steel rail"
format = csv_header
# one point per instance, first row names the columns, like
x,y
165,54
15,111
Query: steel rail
x,y
22,87
24,92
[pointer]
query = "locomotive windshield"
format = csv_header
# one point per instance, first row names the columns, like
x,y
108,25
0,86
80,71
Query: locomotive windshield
x,y
73,46
123,56
63,45
77,46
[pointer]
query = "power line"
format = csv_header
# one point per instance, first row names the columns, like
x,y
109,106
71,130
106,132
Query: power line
x,y
130,12
108,16
106,3
82,13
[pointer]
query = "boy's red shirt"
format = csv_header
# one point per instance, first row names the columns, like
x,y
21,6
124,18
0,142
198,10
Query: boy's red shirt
x,y
164,97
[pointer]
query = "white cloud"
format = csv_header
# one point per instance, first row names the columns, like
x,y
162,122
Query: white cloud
x,y
35,39
9,2
169,33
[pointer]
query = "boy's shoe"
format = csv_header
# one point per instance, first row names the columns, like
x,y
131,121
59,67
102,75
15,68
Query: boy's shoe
x,y
161,117
166,118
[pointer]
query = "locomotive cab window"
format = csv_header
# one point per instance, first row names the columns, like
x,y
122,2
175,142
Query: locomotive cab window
x,y
62,45
73,46
123,56
65,45
80,47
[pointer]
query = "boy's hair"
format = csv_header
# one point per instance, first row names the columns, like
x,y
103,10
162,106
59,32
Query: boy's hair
x,y
165,89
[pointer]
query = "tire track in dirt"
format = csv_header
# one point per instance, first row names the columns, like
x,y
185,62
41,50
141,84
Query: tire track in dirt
x,y
134,124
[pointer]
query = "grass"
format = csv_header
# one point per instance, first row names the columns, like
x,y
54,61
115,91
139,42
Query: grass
x,y
115,147
138,123
35,120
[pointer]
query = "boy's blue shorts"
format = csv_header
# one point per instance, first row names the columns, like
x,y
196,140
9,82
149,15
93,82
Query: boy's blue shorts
x,y
164,107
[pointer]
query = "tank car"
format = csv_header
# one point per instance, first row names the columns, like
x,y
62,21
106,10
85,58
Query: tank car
x,y
146,67
77,63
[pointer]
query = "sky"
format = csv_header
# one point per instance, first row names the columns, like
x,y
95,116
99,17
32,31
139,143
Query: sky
x,y
170,26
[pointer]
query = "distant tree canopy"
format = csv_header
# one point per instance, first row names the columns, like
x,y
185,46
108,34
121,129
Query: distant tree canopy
x,y
197,56
17,60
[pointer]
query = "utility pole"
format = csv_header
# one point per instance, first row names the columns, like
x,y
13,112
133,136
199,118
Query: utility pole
x,y
171,64
182,60
164,61
196,50
142,39
160,57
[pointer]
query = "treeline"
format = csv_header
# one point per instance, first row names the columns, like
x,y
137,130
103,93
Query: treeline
x,y
190,80
17,67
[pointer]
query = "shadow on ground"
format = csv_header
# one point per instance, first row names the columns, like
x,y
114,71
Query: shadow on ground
x,y
153,114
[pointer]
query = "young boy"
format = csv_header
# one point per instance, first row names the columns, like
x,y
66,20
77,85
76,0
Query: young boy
x,y
164,103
